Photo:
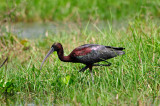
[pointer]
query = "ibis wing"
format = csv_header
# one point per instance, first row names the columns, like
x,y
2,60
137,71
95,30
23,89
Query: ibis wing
x,y
81,51
84,49
86,54
95,53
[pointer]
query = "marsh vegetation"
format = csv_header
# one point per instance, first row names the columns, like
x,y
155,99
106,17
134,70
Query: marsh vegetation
x,y
133,78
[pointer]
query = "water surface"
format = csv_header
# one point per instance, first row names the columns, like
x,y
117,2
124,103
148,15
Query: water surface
x,y
34,30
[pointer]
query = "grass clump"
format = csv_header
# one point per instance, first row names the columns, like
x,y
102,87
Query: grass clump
x,y
132,79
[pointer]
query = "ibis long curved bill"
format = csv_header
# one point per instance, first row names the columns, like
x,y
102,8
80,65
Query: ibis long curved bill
x,y
48,54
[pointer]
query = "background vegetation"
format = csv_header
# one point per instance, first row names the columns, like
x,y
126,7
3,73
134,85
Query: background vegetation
x,y
132,79
75,10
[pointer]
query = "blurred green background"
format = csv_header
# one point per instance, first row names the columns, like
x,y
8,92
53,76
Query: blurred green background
x,y
77,10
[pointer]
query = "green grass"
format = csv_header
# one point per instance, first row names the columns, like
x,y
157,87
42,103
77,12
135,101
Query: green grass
x,y
131,79
77,10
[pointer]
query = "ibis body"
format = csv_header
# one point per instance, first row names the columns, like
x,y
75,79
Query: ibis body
x,y
88,54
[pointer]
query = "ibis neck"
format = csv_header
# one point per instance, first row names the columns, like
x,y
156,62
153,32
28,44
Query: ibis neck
x,y
61,56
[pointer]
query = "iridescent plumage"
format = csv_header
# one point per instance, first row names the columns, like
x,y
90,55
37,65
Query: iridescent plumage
x,y
88,54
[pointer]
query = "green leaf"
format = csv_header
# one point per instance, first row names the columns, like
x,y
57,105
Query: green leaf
x,y
66,79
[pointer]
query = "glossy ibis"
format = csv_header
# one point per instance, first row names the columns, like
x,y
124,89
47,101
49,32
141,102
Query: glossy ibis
x,y
88,54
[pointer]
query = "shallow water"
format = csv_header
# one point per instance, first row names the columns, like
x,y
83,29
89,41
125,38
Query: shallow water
x,y
34,30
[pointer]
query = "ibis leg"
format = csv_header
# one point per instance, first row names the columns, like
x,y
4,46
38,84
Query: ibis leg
x,y
107,62
103,64
90,69
83,69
